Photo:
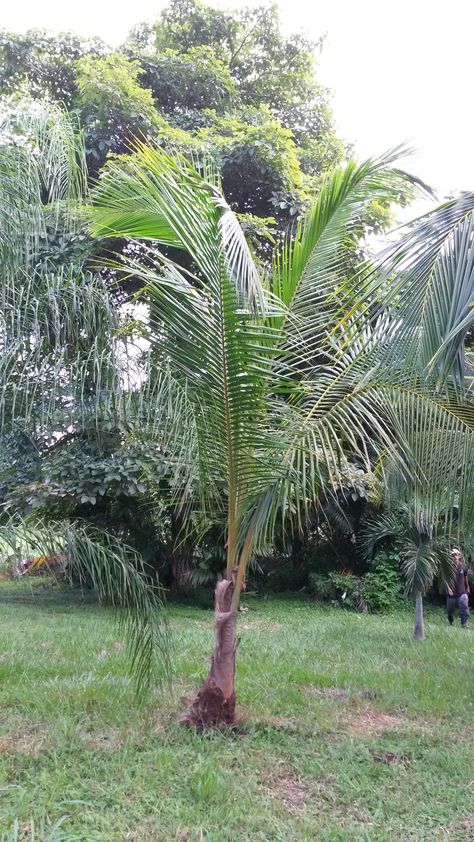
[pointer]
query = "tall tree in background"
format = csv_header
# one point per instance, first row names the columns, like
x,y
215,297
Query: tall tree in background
x,y
226,84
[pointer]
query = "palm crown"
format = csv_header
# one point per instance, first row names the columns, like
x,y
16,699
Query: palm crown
x,y
284,375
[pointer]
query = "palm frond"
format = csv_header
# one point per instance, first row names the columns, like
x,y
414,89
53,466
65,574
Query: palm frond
x,y
153,196
427,279
94,557
311,274
419,564
41,155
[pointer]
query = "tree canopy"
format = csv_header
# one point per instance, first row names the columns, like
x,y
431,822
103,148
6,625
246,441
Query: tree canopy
x,y
225,85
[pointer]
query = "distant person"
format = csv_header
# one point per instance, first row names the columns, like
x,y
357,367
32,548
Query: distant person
x,y
458,591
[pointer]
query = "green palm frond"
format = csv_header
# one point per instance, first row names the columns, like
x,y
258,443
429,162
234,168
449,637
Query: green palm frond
x,y
427,279
57,335
419,564
62,355
310,274
41,156
387,525
94,557
152,196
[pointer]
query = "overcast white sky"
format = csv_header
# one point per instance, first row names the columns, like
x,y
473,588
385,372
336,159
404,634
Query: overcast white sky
x,y
400,70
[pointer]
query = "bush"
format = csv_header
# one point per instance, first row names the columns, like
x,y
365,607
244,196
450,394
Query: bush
x,y
322,587
344,588
380,590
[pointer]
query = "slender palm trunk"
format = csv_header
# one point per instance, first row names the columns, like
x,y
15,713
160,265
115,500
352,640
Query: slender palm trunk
x,y
181,567
419,631
215,702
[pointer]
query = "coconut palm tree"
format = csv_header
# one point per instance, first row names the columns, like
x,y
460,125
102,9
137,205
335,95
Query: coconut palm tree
x,y
262,383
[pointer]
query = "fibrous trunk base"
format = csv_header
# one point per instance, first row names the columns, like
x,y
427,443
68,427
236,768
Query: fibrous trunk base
x,y
210,709
214,705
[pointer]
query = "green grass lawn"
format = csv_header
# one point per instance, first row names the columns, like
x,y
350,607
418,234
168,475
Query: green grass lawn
x,y
350,729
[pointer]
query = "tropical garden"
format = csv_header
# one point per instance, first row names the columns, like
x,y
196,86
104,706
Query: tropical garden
x,y
215,390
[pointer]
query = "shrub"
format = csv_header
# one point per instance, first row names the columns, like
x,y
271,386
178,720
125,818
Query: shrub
x,y
381,588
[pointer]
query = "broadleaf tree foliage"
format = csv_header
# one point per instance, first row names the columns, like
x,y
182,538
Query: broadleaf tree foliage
x,y
229,85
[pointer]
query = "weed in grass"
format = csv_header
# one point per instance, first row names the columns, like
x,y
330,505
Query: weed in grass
x,y
209,783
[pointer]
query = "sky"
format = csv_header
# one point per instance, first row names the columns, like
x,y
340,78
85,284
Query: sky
x,y
400,71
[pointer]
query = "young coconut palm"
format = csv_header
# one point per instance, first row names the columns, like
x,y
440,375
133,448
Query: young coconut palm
x,y
260,388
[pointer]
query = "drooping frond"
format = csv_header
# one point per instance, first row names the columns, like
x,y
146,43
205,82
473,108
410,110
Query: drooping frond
x,y
387,525
423,554
427,279
57,333
93,557
42,169
420,562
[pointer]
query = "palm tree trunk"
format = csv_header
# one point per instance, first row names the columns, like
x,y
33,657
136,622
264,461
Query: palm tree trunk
x,y
215,702
181,571
419,631
181,566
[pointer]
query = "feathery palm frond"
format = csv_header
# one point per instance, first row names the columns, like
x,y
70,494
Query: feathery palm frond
x,y
41,155
273,440
427,278
91,556
310,273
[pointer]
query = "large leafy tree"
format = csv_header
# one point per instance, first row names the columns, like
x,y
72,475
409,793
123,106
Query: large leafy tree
x,y
225,84
266,385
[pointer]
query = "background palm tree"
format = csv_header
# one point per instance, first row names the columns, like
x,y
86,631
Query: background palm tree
x,y
268,381
424,555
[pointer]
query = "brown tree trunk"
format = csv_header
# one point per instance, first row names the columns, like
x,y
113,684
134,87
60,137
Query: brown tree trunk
x,y
182,554
215,702
181,573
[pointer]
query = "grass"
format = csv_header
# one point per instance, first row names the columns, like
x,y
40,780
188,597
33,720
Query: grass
x,y
351,731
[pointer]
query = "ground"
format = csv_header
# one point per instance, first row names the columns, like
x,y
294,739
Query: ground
x,y
350,730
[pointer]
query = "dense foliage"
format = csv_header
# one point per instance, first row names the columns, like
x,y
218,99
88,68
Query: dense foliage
x,y
229,85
